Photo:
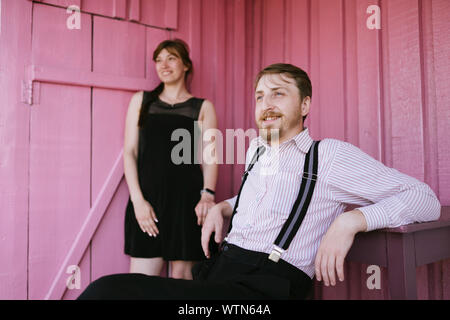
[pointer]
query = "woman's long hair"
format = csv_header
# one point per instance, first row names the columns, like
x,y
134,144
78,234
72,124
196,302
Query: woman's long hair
x,y
179,48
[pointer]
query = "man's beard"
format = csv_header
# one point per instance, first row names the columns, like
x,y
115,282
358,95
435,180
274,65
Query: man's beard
x,y
269,134
272,136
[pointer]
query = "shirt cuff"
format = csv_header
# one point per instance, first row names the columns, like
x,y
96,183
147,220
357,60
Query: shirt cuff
x,y
232,201
376,216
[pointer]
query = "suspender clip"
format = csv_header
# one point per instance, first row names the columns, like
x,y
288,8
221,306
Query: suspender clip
x,y
276,253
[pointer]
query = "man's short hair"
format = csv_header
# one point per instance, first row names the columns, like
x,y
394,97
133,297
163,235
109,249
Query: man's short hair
x,y
301,77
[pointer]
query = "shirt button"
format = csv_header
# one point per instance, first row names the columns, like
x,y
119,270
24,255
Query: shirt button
x,y
225,248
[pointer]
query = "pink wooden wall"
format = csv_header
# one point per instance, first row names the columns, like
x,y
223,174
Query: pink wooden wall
x,y
62,191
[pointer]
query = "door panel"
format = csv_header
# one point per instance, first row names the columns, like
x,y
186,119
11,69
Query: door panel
x,y
59,179
119,48
54,45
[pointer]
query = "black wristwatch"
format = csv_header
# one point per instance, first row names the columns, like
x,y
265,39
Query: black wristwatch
x,y
208,190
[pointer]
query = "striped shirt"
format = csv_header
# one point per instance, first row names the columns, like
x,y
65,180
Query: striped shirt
x,y
346,176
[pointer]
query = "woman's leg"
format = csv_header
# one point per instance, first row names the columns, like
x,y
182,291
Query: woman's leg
x,y
147,266
181,269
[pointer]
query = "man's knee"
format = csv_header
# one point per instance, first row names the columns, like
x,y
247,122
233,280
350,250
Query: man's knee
x,y
121,286
101,288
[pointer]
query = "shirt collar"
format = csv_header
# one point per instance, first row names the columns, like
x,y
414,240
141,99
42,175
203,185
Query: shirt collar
x,y
302,140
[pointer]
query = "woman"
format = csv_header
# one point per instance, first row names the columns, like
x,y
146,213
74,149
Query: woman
x,y
169,200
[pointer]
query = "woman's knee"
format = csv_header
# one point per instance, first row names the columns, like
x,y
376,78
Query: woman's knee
x,y
181,270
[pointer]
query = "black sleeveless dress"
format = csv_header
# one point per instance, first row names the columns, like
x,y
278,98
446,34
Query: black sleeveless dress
x,y
170,178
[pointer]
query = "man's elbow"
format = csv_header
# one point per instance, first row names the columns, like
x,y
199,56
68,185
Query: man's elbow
x,y
432,208
436,211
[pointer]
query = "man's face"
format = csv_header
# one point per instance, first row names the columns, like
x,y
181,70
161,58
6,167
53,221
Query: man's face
x,y
278,106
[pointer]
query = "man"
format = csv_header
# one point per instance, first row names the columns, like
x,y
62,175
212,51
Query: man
x,y
250,266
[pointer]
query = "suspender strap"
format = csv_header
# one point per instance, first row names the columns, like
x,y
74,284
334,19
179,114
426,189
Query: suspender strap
x,y
301,204
258,153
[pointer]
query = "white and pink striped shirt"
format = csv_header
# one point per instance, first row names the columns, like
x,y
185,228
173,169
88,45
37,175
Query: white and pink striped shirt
x,y
346,175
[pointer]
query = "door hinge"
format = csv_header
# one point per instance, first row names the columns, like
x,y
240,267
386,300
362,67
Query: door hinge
x,y
27,92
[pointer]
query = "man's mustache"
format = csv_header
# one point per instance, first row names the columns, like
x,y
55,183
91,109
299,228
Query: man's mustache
x,y
269,114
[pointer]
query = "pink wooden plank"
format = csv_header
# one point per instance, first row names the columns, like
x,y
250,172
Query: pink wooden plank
x,y
119,48
15,48
114,8
405,105
161,13
238,92
228,174
297,32
62,3
134,10
212,85
431,173
332,74
369,84
404,100
184,20
233,116
100,7
195,42
108,114
312,121
85,233
273,32
351,71
59,176
441,23
212,40
87,79
171,14
109,109
251,60
254,18
153,13
330,77
119,9
362,123
298,37
108,242
71,292
57,46
191,33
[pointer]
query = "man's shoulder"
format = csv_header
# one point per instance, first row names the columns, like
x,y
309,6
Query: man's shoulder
x,y
331,146
330,149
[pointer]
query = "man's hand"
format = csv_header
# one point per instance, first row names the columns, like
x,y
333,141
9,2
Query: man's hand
x,y
213,223
201,209
335,245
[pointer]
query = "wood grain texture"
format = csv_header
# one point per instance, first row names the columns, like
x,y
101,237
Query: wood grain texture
x,y
15,49
385,91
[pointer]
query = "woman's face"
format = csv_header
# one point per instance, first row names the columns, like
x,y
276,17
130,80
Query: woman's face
x,y
170,68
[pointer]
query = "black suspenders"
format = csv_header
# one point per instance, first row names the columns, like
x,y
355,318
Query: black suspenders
x,y
255,158
300,206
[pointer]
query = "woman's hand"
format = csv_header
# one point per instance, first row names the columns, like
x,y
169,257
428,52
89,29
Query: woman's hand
x,y
146,217
202,207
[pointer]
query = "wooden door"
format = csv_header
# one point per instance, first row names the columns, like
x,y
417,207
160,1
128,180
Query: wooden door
x,y
83,79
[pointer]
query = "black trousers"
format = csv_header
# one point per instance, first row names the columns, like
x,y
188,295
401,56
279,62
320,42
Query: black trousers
x,y
236,274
